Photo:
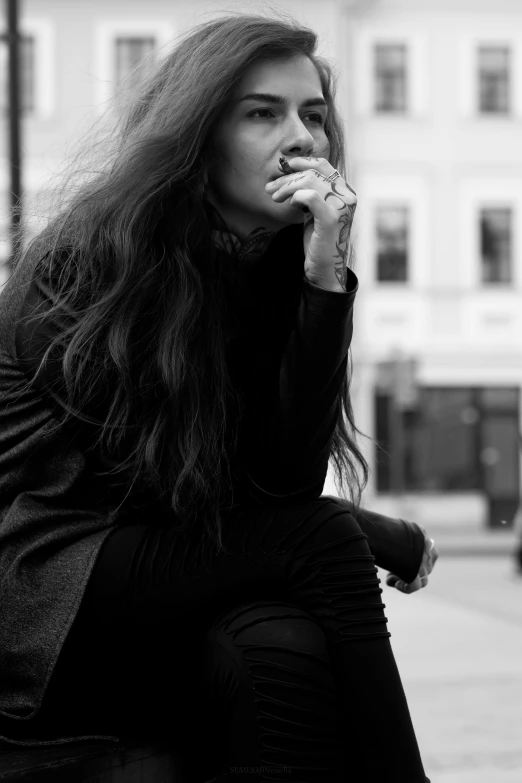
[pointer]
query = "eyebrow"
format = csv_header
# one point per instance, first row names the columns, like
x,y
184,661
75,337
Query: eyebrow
x,y
267,97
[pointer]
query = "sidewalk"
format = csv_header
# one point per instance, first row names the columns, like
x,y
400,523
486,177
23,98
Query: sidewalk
x,y
459,543
458,646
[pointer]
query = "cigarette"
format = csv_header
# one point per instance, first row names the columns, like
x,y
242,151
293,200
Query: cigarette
x,y
283,165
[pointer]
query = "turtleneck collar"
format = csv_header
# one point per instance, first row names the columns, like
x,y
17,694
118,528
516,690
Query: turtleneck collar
x,y
247,250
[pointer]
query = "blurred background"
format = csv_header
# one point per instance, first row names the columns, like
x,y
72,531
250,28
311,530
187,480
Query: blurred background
x,y
431,95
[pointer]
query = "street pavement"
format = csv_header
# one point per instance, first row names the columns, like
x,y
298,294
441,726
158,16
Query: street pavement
x,y
458,646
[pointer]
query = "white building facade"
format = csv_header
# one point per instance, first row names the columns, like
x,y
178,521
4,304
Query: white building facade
x,y
434,121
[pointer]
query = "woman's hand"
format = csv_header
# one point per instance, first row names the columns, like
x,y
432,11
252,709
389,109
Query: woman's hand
x,y
429,558
327,228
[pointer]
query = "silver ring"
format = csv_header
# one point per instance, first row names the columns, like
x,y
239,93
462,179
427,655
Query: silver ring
x,y
333,176
432,544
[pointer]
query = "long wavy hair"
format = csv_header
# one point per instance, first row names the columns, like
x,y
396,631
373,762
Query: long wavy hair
x,y
139,272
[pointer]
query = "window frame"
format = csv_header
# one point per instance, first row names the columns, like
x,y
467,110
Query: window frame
x,y
43,33
105,34
475,194
469,101
407,75
417,72
413,191
395,204
509,109
511,209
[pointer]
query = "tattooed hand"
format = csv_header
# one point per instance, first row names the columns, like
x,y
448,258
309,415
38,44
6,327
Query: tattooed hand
x,y
328,224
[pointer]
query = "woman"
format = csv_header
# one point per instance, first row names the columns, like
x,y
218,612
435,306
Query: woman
x,y
174,380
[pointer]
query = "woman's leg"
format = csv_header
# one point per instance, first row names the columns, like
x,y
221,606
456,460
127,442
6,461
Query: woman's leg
x,y
265,667
312,555
253,695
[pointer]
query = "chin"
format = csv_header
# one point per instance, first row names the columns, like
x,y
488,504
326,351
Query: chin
x,y
290,216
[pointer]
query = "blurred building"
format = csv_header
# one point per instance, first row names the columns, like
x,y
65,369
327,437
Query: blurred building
x,y
431,92
434,126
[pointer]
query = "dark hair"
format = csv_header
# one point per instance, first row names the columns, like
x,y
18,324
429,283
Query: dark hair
x,y
148,321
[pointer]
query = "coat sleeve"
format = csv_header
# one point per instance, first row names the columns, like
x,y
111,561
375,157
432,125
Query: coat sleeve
x,y
292,421
397,545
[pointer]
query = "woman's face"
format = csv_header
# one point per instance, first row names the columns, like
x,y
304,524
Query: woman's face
x,y
285,119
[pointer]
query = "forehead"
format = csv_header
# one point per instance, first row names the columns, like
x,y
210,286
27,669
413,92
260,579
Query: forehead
x,y
290,75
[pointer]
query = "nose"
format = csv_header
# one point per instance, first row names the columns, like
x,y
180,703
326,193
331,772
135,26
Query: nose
x,y
297,138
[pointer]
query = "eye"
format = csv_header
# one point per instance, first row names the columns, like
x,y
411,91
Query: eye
x,y
315,117
256,111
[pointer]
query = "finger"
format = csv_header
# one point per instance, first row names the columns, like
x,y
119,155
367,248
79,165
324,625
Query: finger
x,y
312,178
418,584
324,167
317,206
293,182
305,163
339,197
432,559
402,587
412,587
342,201
277,183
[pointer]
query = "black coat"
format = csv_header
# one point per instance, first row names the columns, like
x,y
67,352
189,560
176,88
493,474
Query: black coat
x,y
288,349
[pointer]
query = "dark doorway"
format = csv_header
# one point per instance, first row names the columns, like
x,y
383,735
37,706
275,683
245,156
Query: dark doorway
x,y
456,439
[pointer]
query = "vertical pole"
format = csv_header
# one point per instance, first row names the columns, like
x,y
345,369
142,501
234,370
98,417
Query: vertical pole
x,y
14,111
396,446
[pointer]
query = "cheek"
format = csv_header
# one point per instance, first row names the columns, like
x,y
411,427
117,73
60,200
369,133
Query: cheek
x,y
324,148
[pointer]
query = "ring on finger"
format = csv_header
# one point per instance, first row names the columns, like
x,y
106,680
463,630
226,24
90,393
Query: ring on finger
x,y
333,176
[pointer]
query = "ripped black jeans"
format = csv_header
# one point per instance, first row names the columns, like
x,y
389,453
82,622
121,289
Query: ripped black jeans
x,y
272,663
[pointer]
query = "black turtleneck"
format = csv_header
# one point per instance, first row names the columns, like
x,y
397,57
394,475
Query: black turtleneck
x,y
288,356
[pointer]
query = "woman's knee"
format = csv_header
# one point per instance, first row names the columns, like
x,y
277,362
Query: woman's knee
x,y
270,688
267,644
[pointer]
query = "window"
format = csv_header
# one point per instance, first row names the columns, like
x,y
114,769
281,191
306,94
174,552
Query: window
x,y
494,79
27,76
495,244
445,443
391,231
439,442
129,53
390,78
124,49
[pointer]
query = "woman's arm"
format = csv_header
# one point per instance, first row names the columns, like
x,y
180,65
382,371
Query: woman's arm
x,y
295,416
397,546
296,400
